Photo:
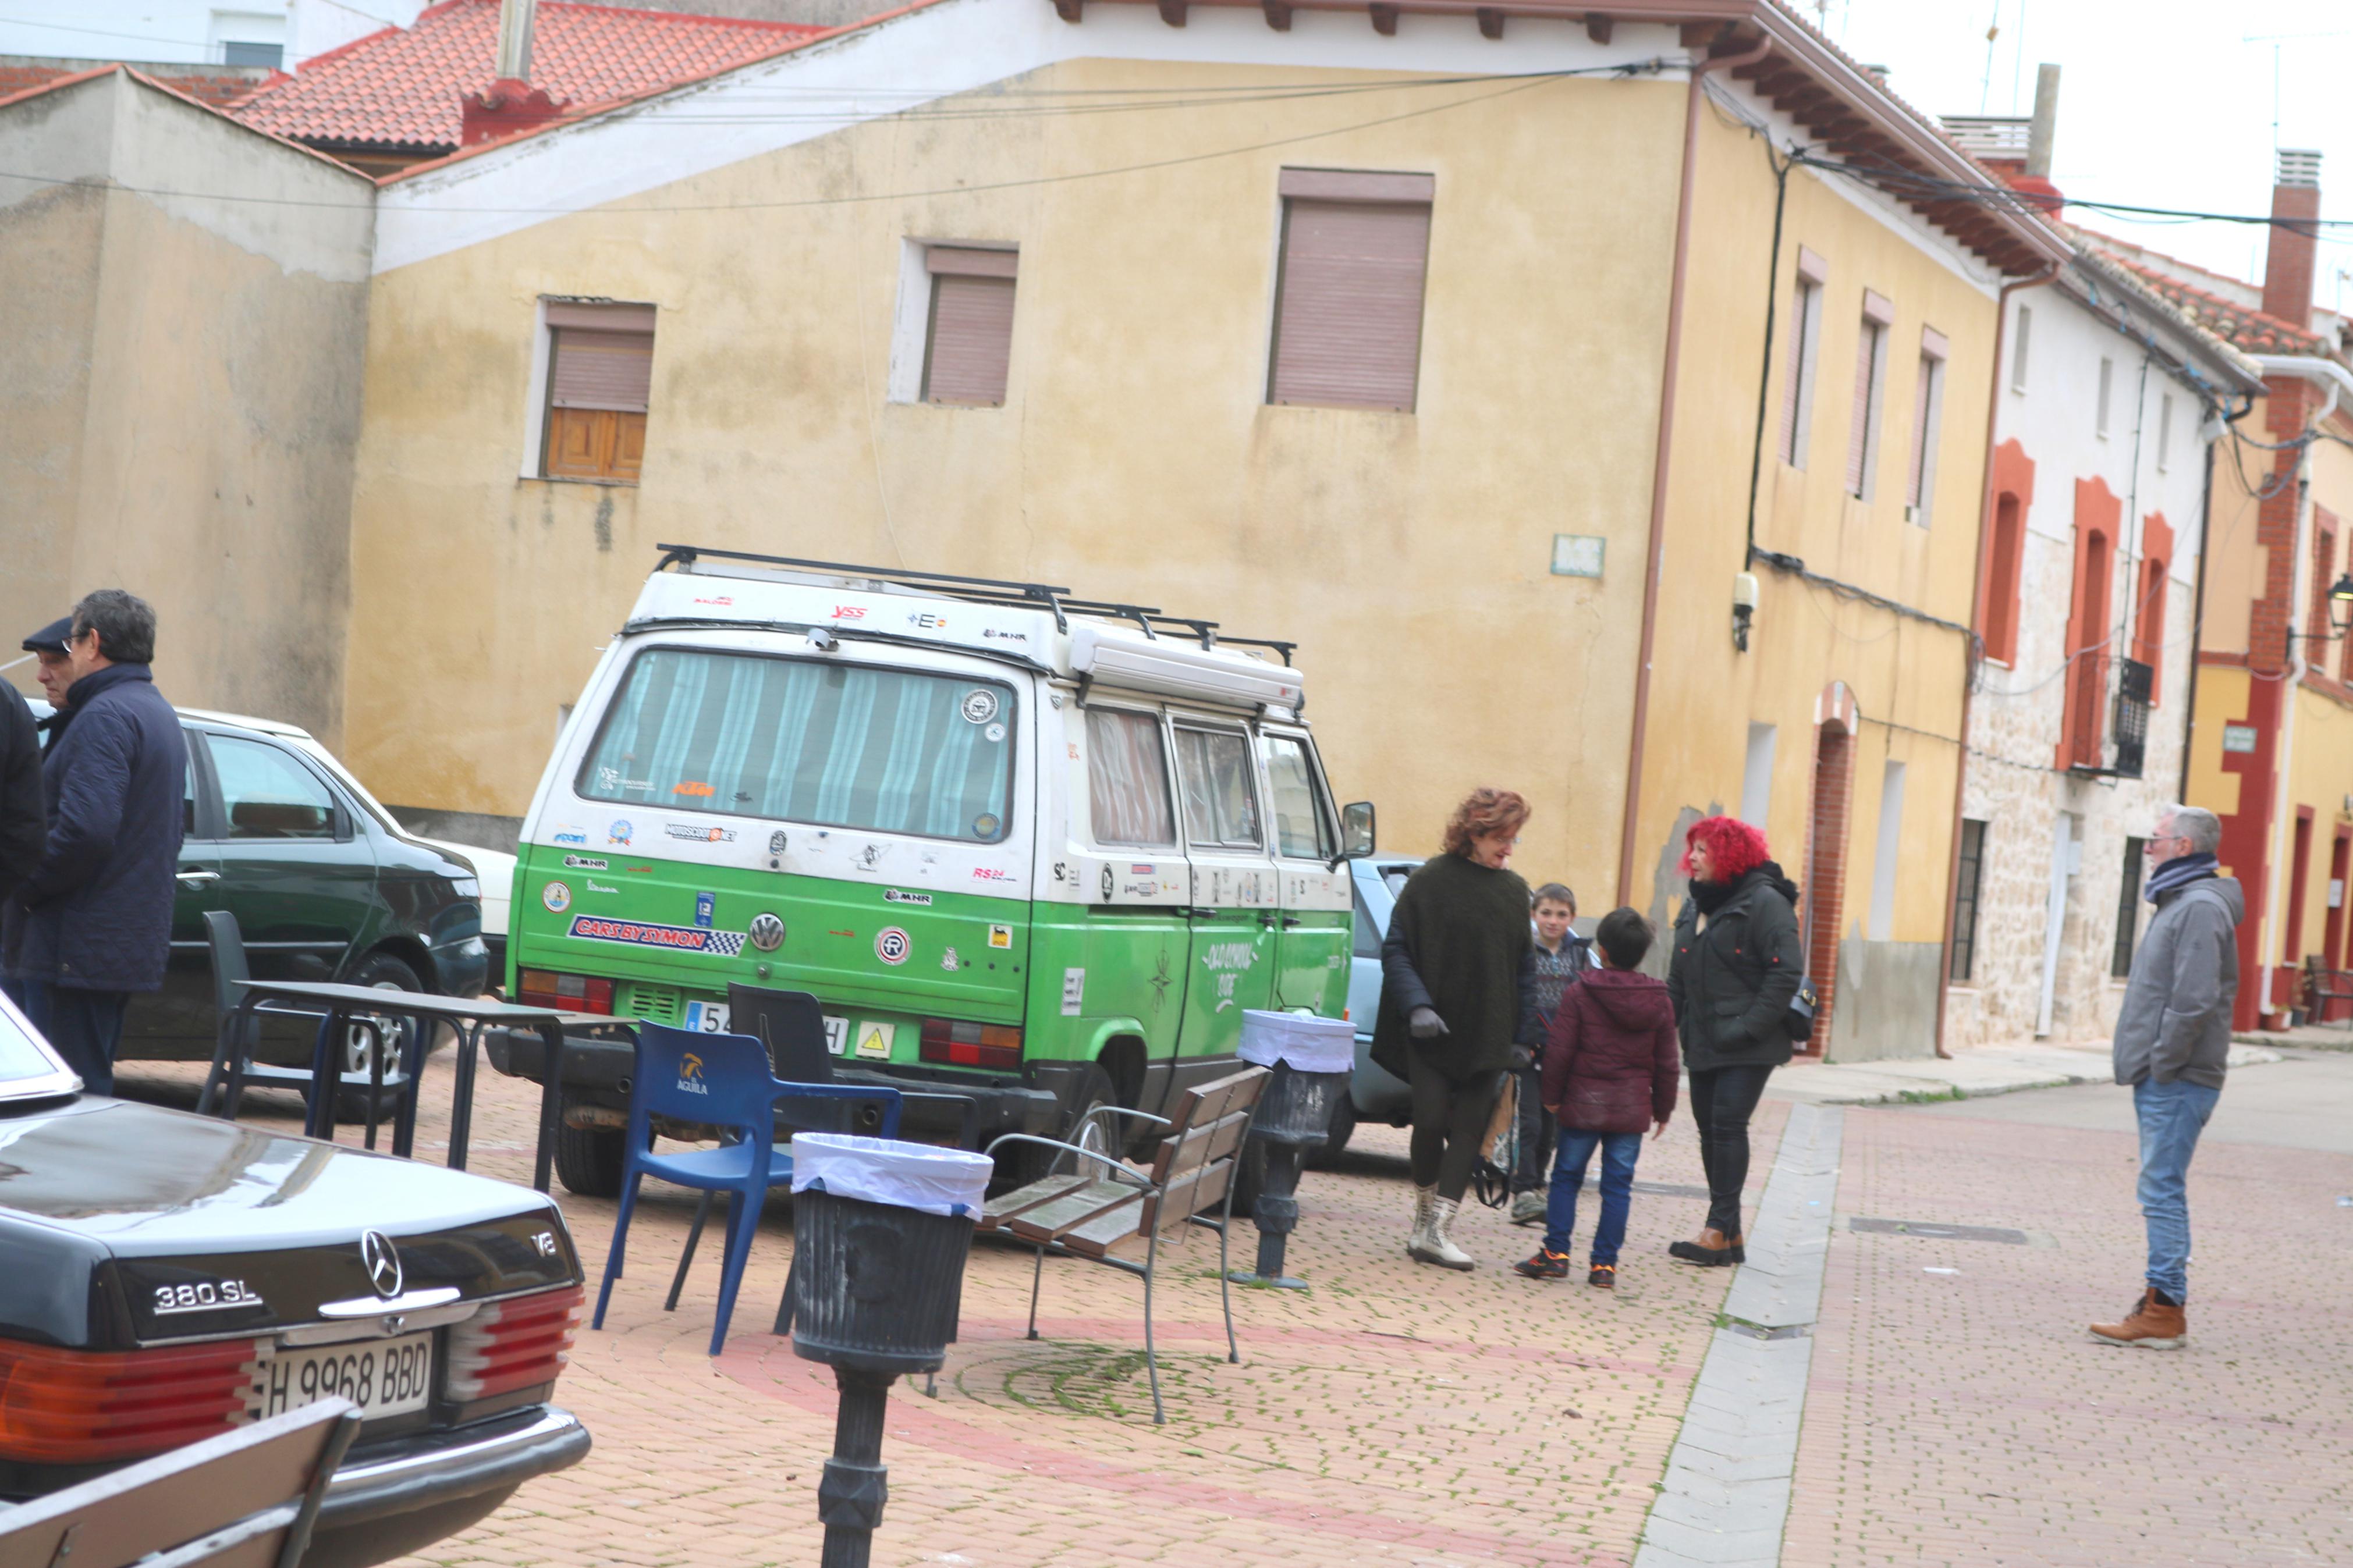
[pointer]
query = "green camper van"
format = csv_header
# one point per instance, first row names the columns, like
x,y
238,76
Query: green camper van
x,y
1032,853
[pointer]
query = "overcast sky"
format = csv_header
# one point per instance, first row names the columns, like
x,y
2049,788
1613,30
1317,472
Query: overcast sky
x,y
2161,103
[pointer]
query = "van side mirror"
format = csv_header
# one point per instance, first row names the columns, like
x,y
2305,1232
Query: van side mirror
x,y
1356,829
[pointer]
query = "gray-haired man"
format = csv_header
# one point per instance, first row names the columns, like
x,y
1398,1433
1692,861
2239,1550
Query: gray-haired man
x,y
2172,1044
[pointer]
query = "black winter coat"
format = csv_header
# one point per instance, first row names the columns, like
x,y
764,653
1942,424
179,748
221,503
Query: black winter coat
x,y
1731,984
24,808
96,913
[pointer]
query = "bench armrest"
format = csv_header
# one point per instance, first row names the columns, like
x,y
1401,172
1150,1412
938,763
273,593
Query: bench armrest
x,y
1118,1170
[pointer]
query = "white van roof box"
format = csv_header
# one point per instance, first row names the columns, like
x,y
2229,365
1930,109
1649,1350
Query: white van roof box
x,y
1135,646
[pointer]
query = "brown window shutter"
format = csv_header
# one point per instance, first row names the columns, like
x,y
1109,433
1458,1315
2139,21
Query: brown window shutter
x,y
971,348
1348,320
601,370
579,443
1858,442
1921,395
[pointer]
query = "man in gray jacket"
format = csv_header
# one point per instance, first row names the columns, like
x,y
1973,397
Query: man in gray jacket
x,y
2173,1040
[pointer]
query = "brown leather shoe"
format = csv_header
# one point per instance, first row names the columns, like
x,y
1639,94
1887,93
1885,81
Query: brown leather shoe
x,y
2153,1325
1713,1249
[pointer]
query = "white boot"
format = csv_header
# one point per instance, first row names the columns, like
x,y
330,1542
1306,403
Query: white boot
x,y
1424,1199
1435,1247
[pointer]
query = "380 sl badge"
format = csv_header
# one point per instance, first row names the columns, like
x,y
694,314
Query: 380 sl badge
x,y
205,1296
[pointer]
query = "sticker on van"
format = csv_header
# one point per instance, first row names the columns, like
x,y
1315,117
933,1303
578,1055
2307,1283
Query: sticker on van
x,y
891,946
637,934
874,1040
1075,992
556,897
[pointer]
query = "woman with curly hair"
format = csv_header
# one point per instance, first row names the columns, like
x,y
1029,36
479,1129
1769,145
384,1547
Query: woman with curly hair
x,y
1458,992
1736,965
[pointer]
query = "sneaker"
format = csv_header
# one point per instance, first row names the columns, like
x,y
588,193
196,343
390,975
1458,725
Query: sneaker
x,y
1528,1207
1603,1274
1546,1265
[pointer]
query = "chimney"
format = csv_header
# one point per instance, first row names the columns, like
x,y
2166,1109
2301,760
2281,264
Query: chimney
x,y
2288,266
516,17
2046,122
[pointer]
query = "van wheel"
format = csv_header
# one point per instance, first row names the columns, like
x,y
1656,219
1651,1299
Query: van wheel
x,y
1335,1139
1022,1164
588,1158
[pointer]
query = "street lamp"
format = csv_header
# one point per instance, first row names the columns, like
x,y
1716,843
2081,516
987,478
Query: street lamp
x,y
2340,617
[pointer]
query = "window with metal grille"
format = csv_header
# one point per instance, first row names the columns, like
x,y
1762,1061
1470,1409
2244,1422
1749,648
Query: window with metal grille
x,y
1927,420
1348,291
2127,911
2131,725
1965,900
969,347
600,361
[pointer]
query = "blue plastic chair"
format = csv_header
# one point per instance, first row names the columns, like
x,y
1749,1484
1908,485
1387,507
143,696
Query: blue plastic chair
x,y
722,1081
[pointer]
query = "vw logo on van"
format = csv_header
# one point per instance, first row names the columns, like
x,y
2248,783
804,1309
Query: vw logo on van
x,y
767,932
382,1261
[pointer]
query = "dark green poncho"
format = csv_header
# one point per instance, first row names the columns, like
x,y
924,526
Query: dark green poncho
x,y
1459,942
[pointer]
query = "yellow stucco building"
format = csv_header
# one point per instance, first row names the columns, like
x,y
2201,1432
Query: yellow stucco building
x,y
1417,337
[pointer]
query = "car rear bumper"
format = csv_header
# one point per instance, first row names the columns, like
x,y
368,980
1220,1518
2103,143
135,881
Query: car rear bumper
x,y
435,1468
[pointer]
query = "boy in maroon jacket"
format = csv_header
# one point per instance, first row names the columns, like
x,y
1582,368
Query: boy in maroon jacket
x,y
1608,1072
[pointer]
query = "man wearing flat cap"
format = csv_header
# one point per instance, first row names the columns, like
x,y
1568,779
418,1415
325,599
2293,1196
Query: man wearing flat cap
x,y
91,922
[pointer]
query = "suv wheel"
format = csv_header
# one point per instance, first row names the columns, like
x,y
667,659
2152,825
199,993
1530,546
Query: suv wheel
x,y
377,972
588,1158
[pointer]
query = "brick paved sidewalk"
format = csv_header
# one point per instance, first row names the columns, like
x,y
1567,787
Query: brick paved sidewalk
x,y
1958,1414
1394,1414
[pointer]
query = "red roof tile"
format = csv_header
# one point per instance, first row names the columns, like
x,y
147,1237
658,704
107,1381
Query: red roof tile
x,y
399,89
220,87
2252,330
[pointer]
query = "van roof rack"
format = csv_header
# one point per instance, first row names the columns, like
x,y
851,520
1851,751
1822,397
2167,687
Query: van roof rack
x,y
1053,598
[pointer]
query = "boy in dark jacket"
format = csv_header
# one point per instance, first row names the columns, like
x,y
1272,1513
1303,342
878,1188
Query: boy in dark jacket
x,y
1610,1068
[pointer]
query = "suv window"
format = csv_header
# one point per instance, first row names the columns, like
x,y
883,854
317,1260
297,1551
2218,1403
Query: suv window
x,y
1302,830
1368,929
1213,768
1127,780
840,745
266,794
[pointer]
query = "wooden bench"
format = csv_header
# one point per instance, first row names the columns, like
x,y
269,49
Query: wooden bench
x,y
244,1500
1103,1201
2326,992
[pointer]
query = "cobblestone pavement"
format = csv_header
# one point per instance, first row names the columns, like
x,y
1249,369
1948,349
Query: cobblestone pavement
x,y
1957,1412
1394,1413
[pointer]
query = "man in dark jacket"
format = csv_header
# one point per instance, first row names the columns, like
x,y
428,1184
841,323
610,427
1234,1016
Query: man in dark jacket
x,y
2172,1044
24,815
93,924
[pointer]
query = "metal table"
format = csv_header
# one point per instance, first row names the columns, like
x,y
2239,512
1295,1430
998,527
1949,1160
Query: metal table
x,y
468,1015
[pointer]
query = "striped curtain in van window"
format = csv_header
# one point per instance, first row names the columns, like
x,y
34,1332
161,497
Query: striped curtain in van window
x,y
838,745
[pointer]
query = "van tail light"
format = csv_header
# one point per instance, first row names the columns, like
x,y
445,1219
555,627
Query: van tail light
x,y
87,1407
520,1343
566,992
971,1045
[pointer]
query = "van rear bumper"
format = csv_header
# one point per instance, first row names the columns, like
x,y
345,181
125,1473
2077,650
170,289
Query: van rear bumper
x,y
597,1068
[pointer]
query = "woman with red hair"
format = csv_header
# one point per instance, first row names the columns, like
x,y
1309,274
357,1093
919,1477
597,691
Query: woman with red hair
x,y
1457,992
1736,965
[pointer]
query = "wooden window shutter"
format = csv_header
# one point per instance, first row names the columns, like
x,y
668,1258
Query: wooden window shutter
x,y
599,380
969,352
1356,254
1921,396
1858,443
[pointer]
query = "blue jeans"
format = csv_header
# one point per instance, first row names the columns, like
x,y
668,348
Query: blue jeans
x,y
2171,1116
1619,1153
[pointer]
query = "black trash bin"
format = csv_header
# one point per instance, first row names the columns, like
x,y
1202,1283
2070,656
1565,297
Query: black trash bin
x,y
1312,1060
882,1231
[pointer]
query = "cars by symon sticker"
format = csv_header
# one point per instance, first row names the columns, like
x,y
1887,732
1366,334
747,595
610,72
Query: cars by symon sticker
x,y
639,934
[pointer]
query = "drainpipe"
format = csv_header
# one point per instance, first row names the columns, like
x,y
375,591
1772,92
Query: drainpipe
x,y
1977,619
1658,543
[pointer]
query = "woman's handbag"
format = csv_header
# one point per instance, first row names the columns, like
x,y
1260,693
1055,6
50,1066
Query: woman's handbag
x,y
1499,1151
1799,1021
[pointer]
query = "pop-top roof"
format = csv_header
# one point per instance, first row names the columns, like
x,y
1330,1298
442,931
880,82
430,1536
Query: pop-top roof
x,y
399,90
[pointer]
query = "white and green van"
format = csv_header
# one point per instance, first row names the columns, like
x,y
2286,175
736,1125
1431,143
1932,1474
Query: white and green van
x,y
1037,852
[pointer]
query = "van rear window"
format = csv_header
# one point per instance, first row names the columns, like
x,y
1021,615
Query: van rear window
x,y
839,745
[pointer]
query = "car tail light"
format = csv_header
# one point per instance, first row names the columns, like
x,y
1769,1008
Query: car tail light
x,y
84,1407
569,993
520,1342
971,1045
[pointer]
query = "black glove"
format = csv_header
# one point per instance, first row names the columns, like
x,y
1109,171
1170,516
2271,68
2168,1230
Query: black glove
x,y
1523,1059
1426,1023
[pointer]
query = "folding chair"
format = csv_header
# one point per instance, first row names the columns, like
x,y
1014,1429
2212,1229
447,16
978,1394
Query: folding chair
x,y
722,1081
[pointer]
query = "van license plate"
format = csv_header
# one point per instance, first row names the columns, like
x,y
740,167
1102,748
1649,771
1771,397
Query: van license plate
x,y
837,1034
382,1377
706,1017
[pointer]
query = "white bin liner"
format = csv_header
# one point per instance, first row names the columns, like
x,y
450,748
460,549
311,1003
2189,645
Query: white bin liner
x,y
885,1171
1308,1043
